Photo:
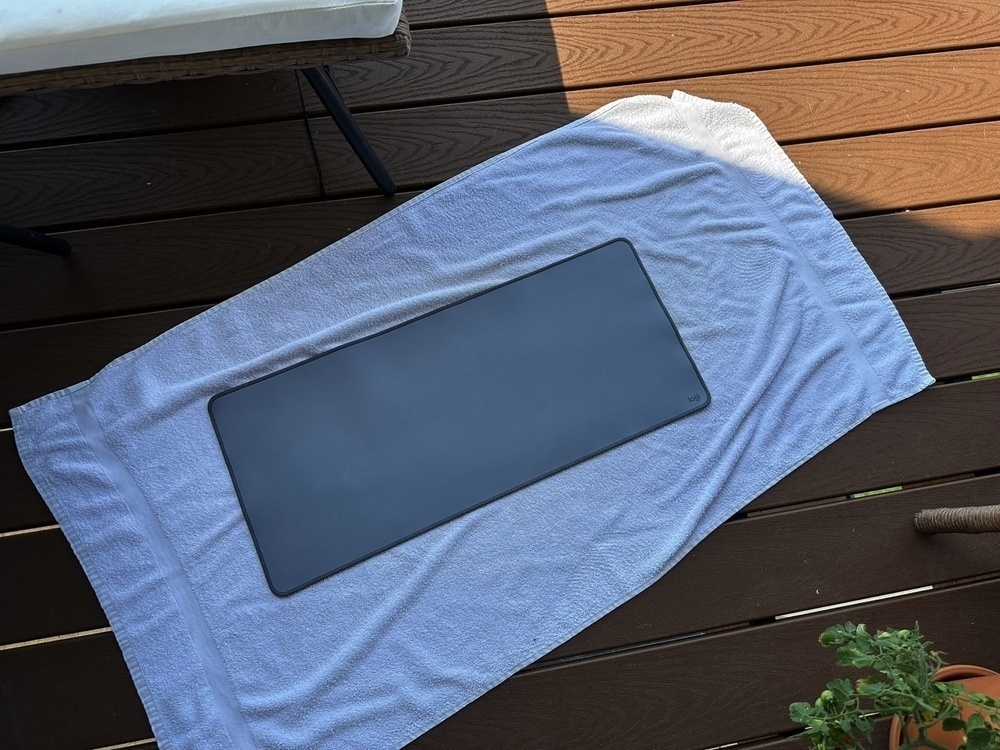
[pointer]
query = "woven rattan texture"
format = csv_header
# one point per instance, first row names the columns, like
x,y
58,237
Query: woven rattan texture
x,y
206,64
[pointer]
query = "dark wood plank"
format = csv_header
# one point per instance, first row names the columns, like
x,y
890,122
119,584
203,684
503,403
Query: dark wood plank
x,y
178,262
939,247
855,176
799,548
647,698
811,102
58,600
943,431
630,47
423,13
73,694
880,738
158,175
49,594
20,505
637,699
954,330
211,169
117,111
816,101
36,361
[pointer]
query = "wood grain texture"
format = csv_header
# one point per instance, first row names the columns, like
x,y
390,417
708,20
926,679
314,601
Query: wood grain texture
x,y
20,507
49,593
939,247
904,170
943,431
647,698
229,167
75,694
880,738
915,79
855,176
637,699
173,263
634,46
158,175
958,331
424,13
58,600
37,361
813,101
840,99
730,577
117,111
180,262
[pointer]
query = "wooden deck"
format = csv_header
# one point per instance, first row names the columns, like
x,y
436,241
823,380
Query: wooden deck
x,y
177,196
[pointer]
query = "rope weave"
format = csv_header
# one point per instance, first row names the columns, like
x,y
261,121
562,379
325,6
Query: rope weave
x,y
206,64
958,520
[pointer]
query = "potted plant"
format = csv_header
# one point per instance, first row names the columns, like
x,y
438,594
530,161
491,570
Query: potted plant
x,y
909,683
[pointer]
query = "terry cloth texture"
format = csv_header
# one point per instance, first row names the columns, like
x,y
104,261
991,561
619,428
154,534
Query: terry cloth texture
x,y
796,340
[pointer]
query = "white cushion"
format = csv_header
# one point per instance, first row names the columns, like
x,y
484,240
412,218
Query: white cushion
x,y
46,34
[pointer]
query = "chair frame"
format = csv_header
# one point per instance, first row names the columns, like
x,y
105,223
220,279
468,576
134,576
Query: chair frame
x,y
312,58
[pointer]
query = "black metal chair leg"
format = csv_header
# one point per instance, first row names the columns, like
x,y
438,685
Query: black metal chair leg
x,y
326,90
33,240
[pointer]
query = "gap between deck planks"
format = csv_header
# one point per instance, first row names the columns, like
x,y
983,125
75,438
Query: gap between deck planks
x,y
495,59
913,91
208,170
428,13
180,262
957,333
947,430
741,560
811,101
855,176
646,698
642,698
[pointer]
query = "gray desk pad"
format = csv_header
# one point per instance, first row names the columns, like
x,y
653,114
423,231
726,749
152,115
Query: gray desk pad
x,y
349,453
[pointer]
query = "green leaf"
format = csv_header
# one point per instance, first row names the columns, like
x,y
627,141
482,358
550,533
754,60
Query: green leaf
x,y
979,739
841,688
834,635
953,724
871,686
799,712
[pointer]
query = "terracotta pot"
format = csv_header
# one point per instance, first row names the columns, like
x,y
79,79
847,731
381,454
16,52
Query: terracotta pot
x,y
980,679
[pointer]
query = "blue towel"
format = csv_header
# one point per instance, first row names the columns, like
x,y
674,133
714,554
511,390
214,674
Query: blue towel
x,y
795,338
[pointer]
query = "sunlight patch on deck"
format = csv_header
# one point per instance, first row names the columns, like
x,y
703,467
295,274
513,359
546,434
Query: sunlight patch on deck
x,y
124,745
841,605
32,530
52,639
